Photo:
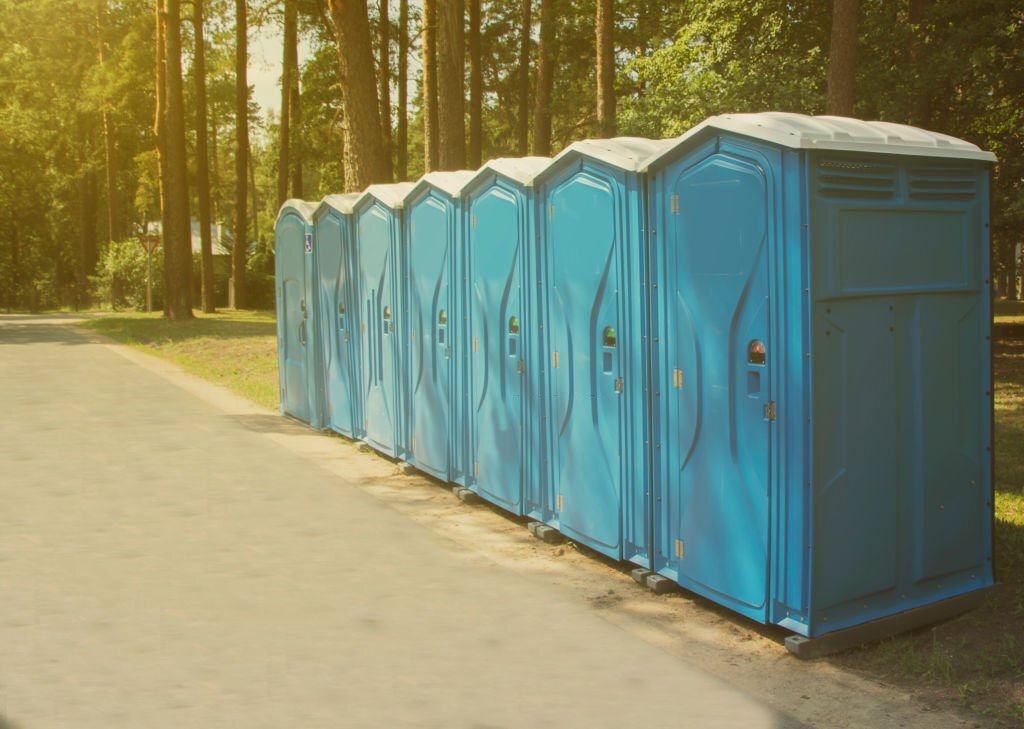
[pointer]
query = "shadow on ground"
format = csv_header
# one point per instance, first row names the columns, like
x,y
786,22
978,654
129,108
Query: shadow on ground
x,y
148,330
35,333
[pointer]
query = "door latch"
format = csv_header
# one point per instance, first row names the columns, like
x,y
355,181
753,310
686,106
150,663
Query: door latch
x,y
769,411
521,367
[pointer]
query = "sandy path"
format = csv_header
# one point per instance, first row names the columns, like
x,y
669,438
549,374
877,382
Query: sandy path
x,y
174,556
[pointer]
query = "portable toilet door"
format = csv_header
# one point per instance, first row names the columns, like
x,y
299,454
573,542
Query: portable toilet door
x,y
380,286
497,256
298,365
591,256
824,422
432,222
333,259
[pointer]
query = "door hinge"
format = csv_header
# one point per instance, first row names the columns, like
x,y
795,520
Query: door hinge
x,y
679,548
769,411
677,378
674,204
554,360
476,468
476,344
412,335
558,503
472,220
414,444
551,212
364,327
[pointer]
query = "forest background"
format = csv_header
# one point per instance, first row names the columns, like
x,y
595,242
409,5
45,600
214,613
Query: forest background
x,y
126,118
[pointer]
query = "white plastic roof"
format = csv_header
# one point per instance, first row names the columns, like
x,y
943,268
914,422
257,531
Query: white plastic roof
x,y
448,182
344,203
302,207
628,153
391,195
520,169
800,131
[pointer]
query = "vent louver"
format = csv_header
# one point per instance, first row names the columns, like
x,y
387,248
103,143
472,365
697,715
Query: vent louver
x,y
942,183
851,179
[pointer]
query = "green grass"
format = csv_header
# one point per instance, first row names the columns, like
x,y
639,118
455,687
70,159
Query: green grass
x,y
1008,312
237,349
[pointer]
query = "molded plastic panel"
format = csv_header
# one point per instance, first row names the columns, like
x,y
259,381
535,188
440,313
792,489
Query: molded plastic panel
x,y
379,312
432,321
901,393
496,238
714,518
293,318
582,237
337,323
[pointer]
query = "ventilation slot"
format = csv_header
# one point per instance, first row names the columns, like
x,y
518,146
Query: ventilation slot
x,y
861,180
942,183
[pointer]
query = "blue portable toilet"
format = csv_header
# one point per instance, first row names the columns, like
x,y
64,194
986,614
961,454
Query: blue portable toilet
x,y
297,356
496,257
594,344
821,369
333,258
432,218
380,286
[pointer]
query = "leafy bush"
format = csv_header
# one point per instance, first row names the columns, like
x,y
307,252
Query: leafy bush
x,y
120,279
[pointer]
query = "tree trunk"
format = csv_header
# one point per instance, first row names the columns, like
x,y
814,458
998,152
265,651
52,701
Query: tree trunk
x,y
451,87
430,116
842,60
284,143
178,236
476,88
384,71
365,162
87,243
546,53
297,151
605,30
214,169
402,139
202,159
241,239
113,231
160,132
922,100
523,122
255,206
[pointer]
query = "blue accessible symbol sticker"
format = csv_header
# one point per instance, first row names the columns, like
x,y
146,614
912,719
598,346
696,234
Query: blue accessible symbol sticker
x,y
309,242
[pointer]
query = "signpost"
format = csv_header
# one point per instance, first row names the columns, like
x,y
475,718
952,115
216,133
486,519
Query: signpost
x,y
149,243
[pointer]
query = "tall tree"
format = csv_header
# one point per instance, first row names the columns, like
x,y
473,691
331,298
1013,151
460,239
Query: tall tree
x,y
842,60
178,235
546,52
402,136
289,75
476,87
605,42
160,134
295,138
451,81
202,158
241,238
384,72
523,120
921,99
430,116
113,231
365,162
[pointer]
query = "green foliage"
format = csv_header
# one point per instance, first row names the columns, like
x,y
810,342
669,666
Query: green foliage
x,y
120,279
